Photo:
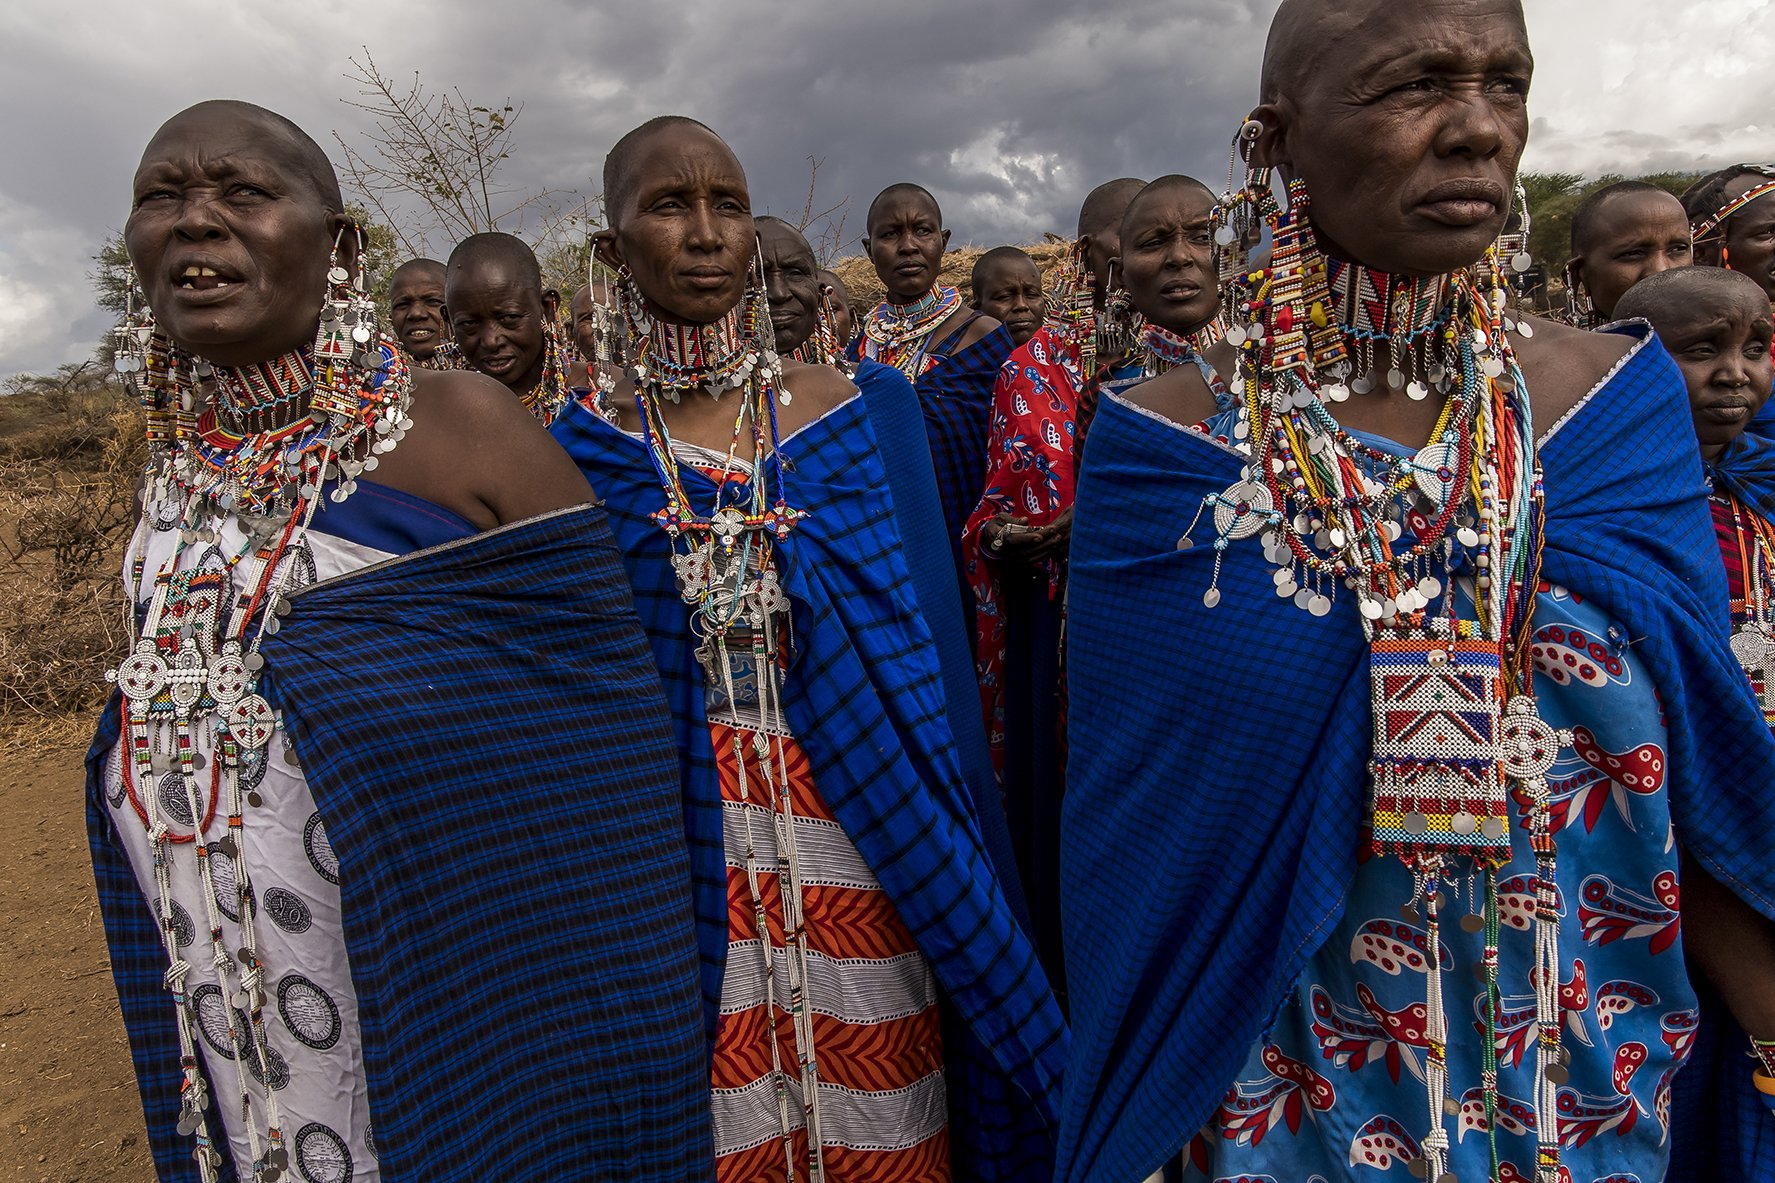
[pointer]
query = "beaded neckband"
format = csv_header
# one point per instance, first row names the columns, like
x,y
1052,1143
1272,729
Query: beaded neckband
x,y
1332,511
672,357
1164,350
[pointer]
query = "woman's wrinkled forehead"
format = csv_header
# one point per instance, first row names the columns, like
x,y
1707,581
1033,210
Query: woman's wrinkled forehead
x,y
1316,48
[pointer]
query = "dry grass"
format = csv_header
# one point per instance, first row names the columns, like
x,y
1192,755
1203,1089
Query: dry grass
x,y
70,456
866,289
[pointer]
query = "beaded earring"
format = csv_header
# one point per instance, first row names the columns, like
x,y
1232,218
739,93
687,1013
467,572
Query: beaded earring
x,y
1245,206
1579,311
821,346
1120,323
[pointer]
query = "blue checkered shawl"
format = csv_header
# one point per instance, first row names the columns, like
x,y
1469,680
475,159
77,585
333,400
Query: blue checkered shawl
x,y
483,732
1720,1127
865,700
1218,778
956,395
1746,468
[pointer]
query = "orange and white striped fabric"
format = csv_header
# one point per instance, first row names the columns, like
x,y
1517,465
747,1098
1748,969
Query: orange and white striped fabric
x,y
877,1041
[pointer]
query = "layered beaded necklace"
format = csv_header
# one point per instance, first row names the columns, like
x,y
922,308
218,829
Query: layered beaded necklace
x,y
445,357
901,332
725,562
1753,616
1335,512
194,659
672,358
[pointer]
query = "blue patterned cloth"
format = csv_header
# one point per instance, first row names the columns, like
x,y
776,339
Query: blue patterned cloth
x,y
864,697
896,418
1231,805
956,393
1721,1124
484,736
1746,469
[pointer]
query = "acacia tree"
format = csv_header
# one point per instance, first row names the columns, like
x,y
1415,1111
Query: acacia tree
x,y
429,167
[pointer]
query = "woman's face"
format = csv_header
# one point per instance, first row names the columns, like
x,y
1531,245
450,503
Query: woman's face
x,y
1168,258
1409,132
685,228
230,237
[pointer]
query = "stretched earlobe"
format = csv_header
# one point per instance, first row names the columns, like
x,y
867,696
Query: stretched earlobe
x,y
605,250
1263,138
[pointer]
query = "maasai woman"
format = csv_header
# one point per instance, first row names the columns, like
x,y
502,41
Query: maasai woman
x,y
416,314
1007,286
1732,217
952,353
1621,234
505,322
802,315
1429,634
845,899
1017,538
382,650
1717,325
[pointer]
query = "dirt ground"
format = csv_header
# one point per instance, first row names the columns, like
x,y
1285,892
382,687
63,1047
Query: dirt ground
x,y
68,1110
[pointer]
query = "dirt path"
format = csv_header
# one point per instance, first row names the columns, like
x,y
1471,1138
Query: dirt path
x,y
68,1109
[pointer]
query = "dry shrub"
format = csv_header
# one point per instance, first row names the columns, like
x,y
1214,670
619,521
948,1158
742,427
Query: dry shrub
x,y
69,464
866,290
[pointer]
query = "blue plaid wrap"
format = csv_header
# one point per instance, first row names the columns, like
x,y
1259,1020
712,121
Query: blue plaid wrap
x,y
1229,806
864,697
484,735
1720,1127
897,420
956,395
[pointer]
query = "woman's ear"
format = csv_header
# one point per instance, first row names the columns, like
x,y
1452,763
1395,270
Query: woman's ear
x,y
606,250
551,304
1263,140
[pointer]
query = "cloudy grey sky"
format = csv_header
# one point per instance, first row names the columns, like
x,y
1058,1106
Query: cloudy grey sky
x,y
1008,109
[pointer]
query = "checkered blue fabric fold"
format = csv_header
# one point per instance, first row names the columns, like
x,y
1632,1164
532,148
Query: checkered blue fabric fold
x,y
957,400
483,731
864,698
1228,806
1746,468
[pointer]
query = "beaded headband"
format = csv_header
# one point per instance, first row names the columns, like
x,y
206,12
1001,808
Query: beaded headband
x,y
1705,227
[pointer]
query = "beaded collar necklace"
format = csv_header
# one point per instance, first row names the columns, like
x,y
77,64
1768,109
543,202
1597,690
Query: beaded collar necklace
x,y
1334,512
445,357
194,661
672,357
899,332
1164,350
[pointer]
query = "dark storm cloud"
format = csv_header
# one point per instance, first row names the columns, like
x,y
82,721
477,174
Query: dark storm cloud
x,y
1010,110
